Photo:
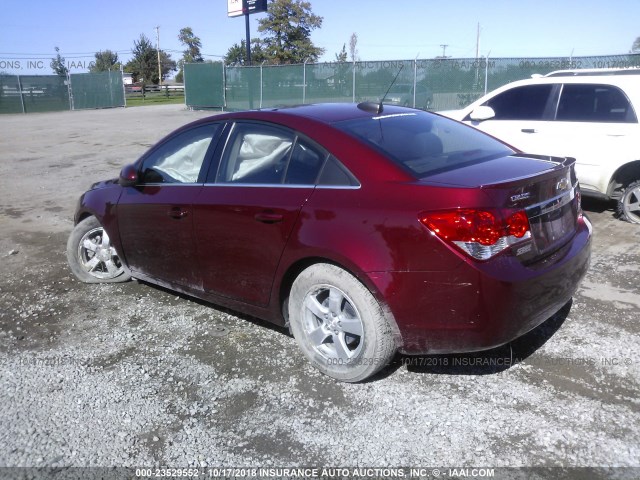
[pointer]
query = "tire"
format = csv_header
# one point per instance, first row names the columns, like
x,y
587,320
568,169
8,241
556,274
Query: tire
x,y
91,256
629,203
338,324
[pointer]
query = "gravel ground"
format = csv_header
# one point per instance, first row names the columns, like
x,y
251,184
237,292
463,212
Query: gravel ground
x,y
133,375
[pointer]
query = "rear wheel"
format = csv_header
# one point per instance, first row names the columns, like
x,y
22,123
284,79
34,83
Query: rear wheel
x,y
91,256
338,324
629,203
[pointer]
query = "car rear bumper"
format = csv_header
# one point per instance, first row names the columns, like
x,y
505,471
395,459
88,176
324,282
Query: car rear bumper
x,y
483,305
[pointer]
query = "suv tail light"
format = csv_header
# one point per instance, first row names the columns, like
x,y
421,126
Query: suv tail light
x,y
481,234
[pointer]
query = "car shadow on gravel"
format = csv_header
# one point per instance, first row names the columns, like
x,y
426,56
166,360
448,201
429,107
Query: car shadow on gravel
x,y
487,362
242,316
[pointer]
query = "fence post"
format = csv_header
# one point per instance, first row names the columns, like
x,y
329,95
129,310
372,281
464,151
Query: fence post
x,y
184,83
224,86
354,82
261,65
486,73
21,96
70,90
124,90
415,79
304,81
110,89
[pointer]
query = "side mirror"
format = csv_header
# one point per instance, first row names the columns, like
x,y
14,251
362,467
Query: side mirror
x,y
482,113
128,176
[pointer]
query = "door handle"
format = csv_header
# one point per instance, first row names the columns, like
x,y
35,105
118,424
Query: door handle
x,y
177,213
266,217
529,130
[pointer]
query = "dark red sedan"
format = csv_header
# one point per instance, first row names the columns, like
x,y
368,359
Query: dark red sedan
x,y
366,230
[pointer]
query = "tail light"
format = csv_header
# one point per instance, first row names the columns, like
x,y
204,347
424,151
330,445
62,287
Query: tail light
x,y
480,234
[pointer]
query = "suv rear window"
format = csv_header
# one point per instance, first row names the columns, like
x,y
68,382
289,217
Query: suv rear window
x,y
594,103
423,143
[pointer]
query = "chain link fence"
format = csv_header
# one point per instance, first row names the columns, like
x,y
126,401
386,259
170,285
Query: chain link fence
x,y
47,93
433,84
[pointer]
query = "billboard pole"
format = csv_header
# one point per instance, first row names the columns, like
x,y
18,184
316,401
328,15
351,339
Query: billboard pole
x,y
246,25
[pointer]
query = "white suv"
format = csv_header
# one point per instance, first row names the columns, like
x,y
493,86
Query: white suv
x,y
591,116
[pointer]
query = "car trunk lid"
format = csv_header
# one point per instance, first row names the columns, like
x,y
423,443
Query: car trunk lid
x,y
545,188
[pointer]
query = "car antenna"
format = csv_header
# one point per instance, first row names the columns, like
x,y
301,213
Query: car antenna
x,y
377,107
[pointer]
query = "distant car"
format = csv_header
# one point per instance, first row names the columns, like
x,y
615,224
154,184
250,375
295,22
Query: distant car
x,y
133,88
366,230
587,115
402,94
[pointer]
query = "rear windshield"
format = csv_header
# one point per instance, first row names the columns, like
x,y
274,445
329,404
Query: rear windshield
x,y
425,144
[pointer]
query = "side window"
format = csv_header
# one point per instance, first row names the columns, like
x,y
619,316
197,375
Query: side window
x,y
304,166
594,103
334,174
255,154
180,159
521,103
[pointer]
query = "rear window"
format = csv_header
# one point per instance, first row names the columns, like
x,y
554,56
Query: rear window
x,y
594,103
425,144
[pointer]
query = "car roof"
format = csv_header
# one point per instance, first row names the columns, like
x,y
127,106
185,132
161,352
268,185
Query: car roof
x,y
628,83
622,80
335,112
594,71
316,121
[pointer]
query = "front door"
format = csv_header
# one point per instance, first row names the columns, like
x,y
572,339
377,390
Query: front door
x,y
155,217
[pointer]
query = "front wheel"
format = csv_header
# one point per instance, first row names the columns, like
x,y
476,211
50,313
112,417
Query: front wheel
x,y
629,203
338,324
91,256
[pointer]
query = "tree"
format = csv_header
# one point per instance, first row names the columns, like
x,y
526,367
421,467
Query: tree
x,y
144,64
192,53
635,48
341,56
58,64
237,53
353,47
193,44
287,30
105,61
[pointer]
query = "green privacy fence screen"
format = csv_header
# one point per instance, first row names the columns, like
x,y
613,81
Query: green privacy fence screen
x,y
433,84
97,90
207,85
47,93
33,93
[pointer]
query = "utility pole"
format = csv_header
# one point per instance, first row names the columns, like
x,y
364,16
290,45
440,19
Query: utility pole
x,y
444,49
158,48
477,82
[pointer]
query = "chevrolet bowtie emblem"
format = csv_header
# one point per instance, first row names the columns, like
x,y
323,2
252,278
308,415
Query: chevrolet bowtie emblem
x,y
563,184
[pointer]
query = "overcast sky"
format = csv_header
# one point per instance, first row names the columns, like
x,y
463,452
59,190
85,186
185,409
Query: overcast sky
x,y
387,30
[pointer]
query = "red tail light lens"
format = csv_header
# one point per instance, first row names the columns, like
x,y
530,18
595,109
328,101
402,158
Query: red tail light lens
x,y
518,224
481,234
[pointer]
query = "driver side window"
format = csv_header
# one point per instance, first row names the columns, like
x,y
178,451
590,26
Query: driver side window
x,y
180,159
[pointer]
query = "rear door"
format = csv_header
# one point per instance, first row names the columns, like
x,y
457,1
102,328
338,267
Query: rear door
x,y
522,116
595,124
246,212
155,217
